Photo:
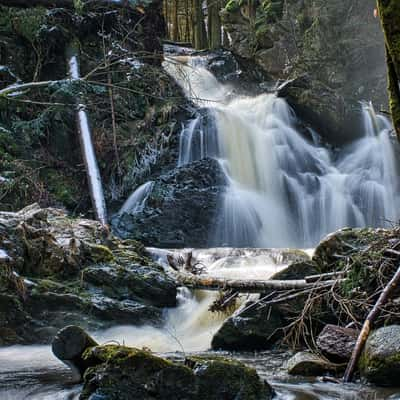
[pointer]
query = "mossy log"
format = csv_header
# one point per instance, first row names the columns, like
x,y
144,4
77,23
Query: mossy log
x,y
69,345
389,12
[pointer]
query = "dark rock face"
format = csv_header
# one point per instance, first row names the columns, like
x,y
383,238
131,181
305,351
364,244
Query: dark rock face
x,y
337,343
180,210
322,107
312,36
249,329
120,372
380,361
60,271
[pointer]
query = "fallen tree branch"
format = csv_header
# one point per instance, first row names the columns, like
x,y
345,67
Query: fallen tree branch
x,y
250,286
9,90
369,321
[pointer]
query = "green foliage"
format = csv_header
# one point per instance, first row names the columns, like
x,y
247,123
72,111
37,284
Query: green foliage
x,y
272,10
27,22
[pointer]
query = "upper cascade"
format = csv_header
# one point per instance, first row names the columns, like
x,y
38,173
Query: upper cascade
x,y
284,189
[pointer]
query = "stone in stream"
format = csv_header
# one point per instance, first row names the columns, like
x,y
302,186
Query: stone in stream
x,y
249,328
120,372
308,364
380,360
337,343
116,372
69,345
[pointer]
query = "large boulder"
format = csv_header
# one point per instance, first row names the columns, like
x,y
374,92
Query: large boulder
x,y
179,210
118,373
337,343
250,328
56,270
380,360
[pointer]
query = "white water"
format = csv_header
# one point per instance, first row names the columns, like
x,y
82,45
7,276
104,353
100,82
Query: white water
x,y
137,200
285,190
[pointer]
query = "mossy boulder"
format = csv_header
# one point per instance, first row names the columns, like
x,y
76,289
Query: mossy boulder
x,y
120,372
380,360
58,270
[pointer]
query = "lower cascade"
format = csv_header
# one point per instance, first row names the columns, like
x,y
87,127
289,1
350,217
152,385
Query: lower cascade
x,y
284,189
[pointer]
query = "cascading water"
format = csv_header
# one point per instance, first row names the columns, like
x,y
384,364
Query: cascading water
x,y
283,189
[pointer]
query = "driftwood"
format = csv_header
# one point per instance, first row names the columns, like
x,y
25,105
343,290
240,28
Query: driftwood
x,y
367,326
90,4
86,144
244,286
69,345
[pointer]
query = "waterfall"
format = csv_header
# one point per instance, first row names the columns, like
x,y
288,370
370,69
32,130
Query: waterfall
x,y
137,200
284,189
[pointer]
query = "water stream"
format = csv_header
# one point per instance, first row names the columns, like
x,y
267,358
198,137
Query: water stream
x,y
284,191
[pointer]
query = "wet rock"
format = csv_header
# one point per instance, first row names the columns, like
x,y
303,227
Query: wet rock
x,y
250,328
337,343
135,282
297,270
69,345
306,363
322,107
118,372
380,360
180,209
344,241
61,270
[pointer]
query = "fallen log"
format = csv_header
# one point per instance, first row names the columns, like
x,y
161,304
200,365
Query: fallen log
x,y
253,286
69,345
367,326
86,143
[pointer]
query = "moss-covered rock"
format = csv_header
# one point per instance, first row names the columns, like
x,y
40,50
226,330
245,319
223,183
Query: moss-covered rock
x,y
60,270
380,360
119,373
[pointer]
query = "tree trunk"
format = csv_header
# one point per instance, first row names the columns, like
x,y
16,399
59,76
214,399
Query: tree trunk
x,y
389,12
214,24
244,286
85,140
200,39
175,21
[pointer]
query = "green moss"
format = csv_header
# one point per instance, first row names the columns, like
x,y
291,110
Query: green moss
x,y
99,253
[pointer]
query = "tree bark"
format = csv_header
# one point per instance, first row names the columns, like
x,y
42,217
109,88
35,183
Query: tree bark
x,y
200,39
389,12
373,314
255,286
214,24
85,139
